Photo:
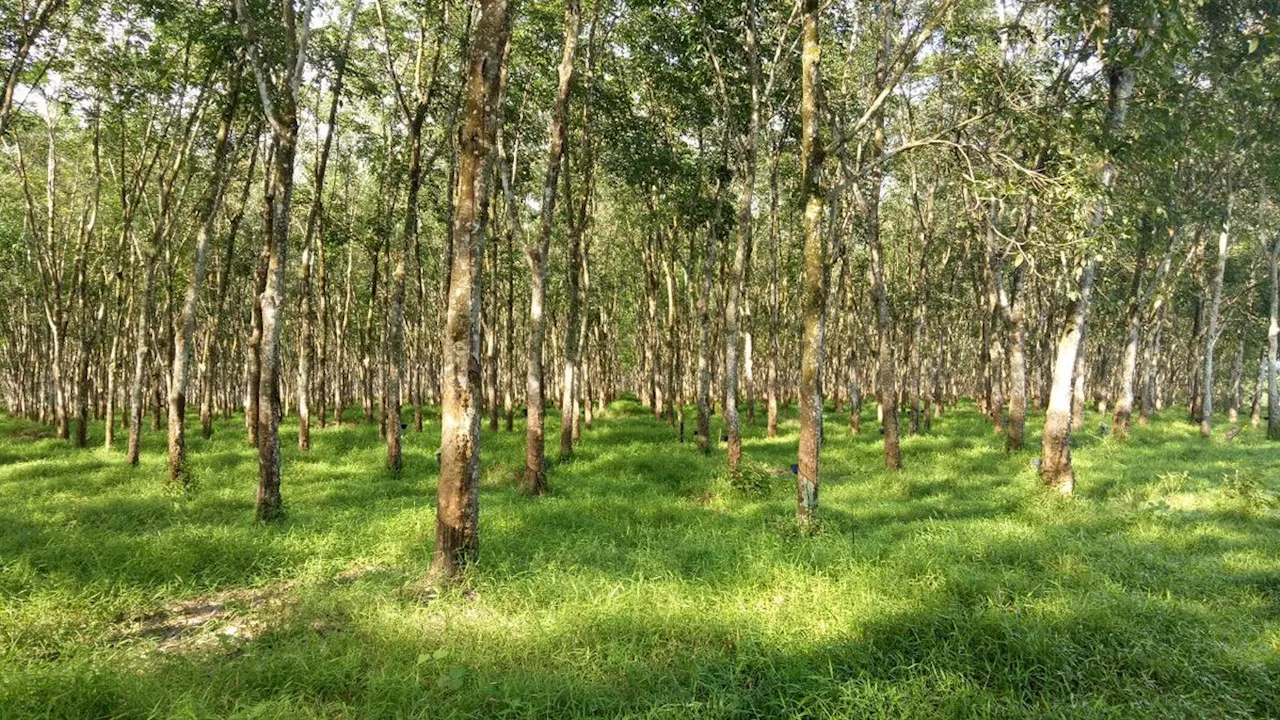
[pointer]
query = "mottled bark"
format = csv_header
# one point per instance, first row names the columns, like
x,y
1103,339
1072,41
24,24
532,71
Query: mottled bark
x,y
814,283
1056,470
1055,465
458,489
535,471
183,340
279,106
742,250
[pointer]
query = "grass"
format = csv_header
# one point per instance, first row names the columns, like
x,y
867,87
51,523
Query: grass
x,y
649,583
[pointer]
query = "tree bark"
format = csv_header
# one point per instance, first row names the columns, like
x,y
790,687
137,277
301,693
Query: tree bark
x,y
1211,333
1055,466
280,108
183,340
535,471
458,490
1133,334
814,288
742,251
1273,344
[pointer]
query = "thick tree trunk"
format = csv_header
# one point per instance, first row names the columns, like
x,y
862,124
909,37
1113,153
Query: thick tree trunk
x,y
1055,465
458,490
280,108
270,505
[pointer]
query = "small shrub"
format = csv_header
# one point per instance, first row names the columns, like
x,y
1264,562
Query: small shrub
x,y
750,479
1245,489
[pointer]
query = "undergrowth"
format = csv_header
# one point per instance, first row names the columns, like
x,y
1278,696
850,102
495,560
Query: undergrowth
x,y
649,582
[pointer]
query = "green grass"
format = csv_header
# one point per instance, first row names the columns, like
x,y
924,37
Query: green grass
x,y
646,585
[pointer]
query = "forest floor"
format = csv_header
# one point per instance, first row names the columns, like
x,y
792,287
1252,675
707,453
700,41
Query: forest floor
x,y
646,585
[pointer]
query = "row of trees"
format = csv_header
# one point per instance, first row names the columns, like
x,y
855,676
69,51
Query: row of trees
x,y
729,207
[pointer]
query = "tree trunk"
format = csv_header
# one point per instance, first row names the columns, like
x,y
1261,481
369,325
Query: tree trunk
x,y
458,489
182,341
1055,465
1211,333
814,288
704,331
1236,394
207,358
1015,440
742,253
774,245
574,269
1255,410
140,350
1273,345
1129,363
280,108
535,471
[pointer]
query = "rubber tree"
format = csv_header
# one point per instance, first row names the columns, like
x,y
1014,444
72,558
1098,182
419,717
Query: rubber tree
x,y
458,489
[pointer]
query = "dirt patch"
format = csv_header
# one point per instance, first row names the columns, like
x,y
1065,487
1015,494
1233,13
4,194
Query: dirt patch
x,y
231,616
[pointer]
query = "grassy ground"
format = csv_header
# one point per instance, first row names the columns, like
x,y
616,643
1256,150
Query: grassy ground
x,y
645,585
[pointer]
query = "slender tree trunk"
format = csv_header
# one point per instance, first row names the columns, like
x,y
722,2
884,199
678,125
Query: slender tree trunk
x,y
90,330
814,288
574,270
1056,470
140,351
1236,394
224,281
1129,364
1273,344
183,340
704,333
775,240
253,359
535,477
1255,410
742,252
1211,333
1015,440
306,335
395,459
